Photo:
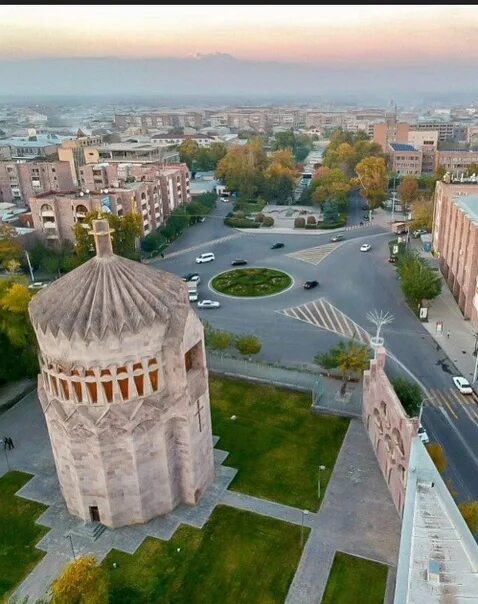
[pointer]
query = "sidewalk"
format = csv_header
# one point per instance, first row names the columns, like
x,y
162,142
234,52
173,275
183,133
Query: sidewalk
x,y
13,392
459,345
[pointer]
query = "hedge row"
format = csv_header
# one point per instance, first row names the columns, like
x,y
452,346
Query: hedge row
x,y
241,223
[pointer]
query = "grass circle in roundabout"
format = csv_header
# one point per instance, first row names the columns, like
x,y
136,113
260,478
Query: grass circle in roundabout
x,y
251,282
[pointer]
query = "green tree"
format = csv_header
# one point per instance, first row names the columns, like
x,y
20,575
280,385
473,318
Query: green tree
x,y
418,281
82,581
220,340
410,395
248,345
208,157
469,511
188,152
349,357
330,184
437,455
331,212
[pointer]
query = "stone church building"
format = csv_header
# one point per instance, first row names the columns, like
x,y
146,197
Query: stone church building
x,y
123,385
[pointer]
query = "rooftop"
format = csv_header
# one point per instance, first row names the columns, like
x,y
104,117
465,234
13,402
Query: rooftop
x,y
469,205
402,147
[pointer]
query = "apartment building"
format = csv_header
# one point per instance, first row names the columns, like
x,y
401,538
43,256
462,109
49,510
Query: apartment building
x,y
455,242
456,161
21,180
324,119
446,130
203,140
78,152
94,177
427,142
37,146
138,152
390,131
160,119
405,160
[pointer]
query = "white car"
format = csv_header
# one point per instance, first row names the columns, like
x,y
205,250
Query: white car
x,y
422,433
208,304
205,258
365,247
37,285
462,384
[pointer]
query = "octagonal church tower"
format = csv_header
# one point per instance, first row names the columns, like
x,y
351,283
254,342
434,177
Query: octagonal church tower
x,y
123,385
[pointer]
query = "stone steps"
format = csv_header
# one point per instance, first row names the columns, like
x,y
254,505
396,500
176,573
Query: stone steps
x,y
89,530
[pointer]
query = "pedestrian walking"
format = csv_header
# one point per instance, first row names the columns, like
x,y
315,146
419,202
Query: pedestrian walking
x,y
448,334
10,443
5,442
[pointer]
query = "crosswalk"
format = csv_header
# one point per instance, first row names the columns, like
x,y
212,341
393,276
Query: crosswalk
x,y
352,227
320,313
458,405
314,255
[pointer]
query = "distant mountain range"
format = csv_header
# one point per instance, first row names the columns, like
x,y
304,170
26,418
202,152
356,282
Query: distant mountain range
x,y
221,75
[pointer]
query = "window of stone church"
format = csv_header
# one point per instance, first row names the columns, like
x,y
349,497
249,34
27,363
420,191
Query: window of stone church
x,y
193,358
107,386
123,382
77,386
153,373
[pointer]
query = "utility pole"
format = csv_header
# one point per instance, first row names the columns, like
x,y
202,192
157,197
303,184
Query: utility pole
x,y
30,266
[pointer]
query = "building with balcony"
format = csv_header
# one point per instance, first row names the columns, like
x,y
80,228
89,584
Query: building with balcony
x,y
34,147
455,242
456,161
21,180
138,152
123,385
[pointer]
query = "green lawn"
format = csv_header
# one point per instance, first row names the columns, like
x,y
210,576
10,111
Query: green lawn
x,y
355,580
248,282
18,532
236,557
276,442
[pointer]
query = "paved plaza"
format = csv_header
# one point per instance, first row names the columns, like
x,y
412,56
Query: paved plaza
x,y
356,516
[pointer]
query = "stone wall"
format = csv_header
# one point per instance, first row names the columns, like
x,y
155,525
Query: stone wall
x,y
389,428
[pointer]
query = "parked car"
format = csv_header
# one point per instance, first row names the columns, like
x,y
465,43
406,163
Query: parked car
x,y
462,384
239,262
337,238
38,285
365,217
365,247
310,284
207,257
276,246
208,304
194,277
416,234
392,259
365,207
203,219
422,433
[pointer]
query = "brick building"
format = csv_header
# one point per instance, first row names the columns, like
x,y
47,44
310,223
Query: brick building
x,y
405,160
455,242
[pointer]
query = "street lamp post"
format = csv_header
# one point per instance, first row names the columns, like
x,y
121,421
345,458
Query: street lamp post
x,y
321,469
379,320
71,544
304,513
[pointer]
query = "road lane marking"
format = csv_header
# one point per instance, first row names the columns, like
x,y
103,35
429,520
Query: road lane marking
x,y
439,395
460,437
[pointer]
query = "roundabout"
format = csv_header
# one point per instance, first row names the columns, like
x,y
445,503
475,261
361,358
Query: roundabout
x,y
257,282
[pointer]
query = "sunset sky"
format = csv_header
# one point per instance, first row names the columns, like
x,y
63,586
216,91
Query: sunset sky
x,y
298,33
190,49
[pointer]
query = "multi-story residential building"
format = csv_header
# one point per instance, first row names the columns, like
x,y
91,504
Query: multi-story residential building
x,y
21,180
390,131
405,159
455,242
324,119
154,193
203,140
80,151
160,119
427,142
455,161
138,152
37,146
446,130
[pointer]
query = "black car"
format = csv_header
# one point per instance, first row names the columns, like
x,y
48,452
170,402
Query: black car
x,y
392,259
365,217
365,208
238,262
337,238
310,284
190,276
276,246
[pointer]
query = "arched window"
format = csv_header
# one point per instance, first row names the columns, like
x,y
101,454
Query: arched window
x,y
397,439
46,207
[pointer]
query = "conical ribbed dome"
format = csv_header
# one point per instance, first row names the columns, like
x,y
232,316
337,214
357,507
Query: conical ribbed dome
x,y
108,294
103,295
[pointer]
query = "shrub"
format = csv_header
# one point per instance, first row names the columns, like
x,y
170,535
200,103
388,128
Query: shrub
x,y
299,223
248,345
311,220
239,214
241,223
268,221
311,226
259,217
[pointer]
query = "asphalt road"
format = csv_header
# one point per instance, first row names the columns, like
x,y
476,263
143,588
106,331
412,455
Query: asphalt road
x,y
351,284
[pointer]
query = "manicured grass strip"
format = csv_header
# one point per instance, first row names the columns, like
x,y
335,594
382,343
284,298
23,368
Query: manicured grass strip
x,y
237,557
18,532
248,282
276,442
355,580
